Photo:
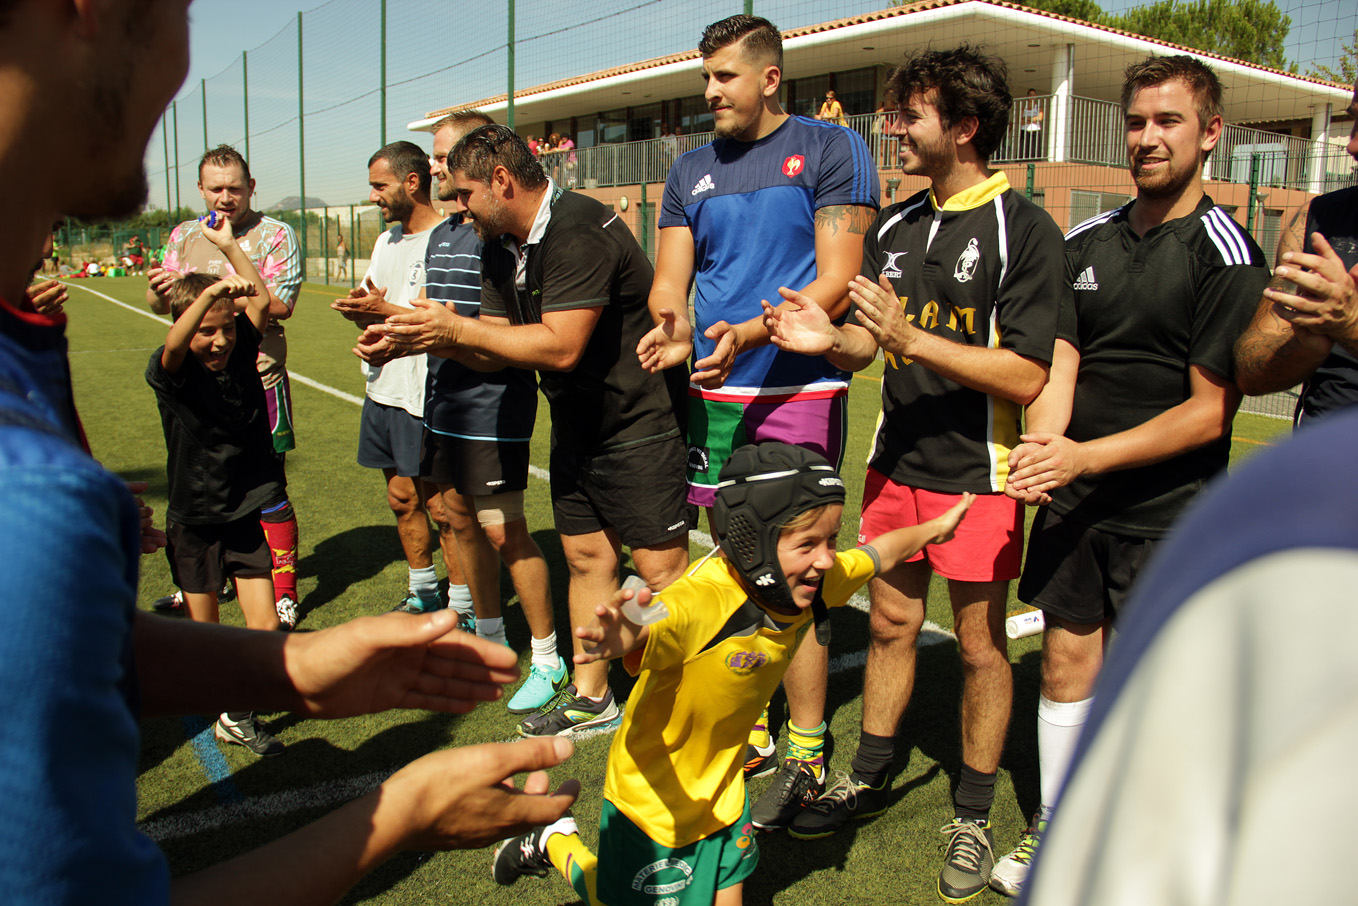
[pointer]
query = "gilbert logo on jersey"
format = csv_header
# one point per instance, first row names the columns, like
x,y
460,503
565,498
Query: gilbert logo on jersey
x,y
793,165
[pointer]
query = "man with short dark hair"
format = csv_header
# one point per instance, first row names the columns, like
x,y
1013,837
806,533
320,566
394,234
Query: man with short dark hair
x,y
960,289
774,201
563,291
392,424
1305,329
477,428
225,183
1136,418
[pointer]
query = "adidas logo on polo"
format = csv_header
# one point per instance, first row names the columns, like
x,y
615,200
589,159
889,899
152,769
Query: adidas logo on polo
x,y
704,184
1087,280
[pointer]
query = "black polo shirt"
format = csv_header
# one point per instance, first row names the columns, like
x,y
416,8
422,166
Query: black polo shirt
x,y
588,258
1145,309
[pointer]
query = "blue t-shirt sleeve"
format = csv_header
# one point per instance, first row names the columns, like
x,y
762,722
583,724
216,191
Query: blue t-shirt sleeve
x,y
672,204
847,174
68,778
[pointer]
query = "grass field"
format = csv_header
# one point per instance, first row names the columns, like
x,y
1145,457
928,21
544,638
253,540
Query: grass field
x,y
204,803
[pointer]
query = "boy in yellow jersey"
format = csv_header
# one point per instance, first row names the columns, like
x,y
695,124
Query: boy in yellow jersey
x,y
675,825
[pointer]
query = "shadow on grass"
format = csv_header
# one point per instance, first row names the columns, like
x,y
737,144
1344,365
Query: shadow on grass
x,y
348,558
297,779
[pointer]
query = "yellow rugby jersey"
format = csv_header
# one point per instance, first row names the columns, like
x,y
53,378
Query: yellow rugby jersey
x,y
675,766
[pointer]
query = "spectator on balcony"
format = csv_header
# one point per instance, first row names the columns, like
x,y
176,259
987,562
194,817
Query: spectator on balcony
x,y
1031,115
884,127
832,111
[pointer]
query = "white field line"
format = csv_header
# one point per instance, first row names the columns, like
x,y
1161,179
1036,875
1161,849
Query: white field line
x,y
336,792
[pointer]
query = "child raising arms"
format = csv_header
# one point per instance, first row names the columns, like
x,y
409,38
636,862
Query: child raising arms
x,y
675,822
220,461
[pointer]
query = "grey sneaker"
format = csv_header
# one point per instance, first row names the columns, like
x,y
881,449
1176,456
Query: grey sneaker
x,y
969,859
413,603
567,713
249,733
1011,872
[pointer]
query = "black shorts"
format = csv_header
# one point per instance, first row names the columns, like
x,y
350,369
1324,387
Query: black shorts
x,y
203,557
476,468
639,492
1079,573
389,438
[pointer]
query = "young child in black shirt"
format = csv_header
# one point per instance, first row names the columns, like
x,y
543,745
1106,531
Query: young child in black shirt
x,y
220,464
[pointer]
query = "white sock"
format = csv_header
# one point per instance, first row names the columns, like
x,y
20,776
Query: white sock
x,y
1058,730
460,599
544,651
424,582
491,629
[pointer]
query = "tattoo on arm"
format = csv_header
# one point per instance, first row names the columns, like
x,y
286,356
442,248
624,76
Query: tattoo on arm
x,y
856,218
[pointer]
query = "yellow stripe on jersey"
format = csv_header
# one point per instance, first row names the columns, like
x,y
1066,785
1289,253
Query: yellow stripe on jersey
x,y
675,766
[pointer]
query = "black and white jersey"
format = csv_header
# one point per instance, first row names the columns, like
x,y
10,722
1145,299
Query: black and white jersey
x,y
1145,308
1334,384
983,270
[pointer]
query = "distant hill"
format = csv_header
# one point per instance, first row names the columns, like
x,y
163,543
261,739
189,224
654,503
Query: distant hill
x,y
293,202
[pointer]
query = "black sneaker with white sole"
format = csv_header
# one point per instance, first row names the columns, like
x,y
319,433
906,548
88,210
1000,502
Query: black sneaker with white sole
x,y
526,854
249,733
567,713
845,799
796,785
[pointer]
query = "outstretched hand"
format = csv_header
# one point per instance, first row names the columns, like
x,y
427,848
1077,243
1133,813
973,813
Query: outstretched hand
x,y
711,372
395,661
799,324
946,524
667,344
612,635
465,798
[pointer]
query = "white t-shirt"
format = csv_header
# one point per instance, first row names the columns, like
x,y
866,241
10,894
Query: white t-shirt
x,y
398,267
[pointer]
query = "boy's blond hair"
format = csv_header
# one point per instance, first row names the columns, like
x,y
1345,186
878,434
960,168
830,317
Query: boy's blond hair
x,y
804,519
184,291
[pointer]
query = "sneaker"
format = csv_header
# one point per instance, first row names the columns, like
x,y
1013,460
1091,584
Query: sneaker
x,y
415,604
969,860
1011,872
228,592
287,613
567,713
249,733
519,856
845,799
798,783
538,689
169,603
759,763
466,622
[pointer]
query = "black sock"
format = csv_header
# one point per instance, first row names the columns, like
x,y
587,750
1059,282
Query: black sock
x,y
873,758
975,794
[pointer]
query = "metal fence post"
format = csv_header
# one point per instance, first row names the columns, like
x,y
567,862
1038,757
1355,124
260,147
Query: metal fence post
x,y
1254,192
165,141
353,245
382,131
202,86
509,75
1032,181
301,140
174,112
245,96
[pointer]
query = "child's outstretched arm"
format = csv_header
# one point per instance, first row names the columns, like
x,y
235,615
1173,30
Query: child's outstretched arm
x,y
895,547
612,635
217,228
182,330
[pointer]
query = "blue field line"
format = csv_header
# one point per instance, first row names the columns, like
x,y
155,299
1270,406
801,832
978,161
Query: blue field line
x,y
199,731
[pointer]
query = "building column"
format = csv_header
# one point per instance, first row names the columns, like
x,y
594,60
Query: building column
x,y
1320,146
1063,80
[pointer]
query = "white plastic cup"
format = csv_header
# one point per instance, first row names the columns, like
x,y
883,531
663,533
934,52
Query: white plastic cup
x,y
638,614
1022,625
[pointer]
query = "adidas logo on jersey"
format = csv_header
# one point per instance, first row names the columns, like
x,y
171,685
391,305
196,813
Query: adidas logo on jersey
x,y
704,184
1087,280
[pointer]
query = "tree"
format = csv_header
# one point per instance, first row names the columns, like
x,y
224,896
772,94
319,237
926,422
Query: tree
x,y
1087,10
1249,30
1347,73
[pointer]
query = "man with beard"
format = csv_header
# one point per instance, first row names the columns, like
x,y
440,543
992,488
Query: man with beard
x,y
563,291
1306,326
79,664
392,423
477,428
225,183
775,201
1136,418
960,288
